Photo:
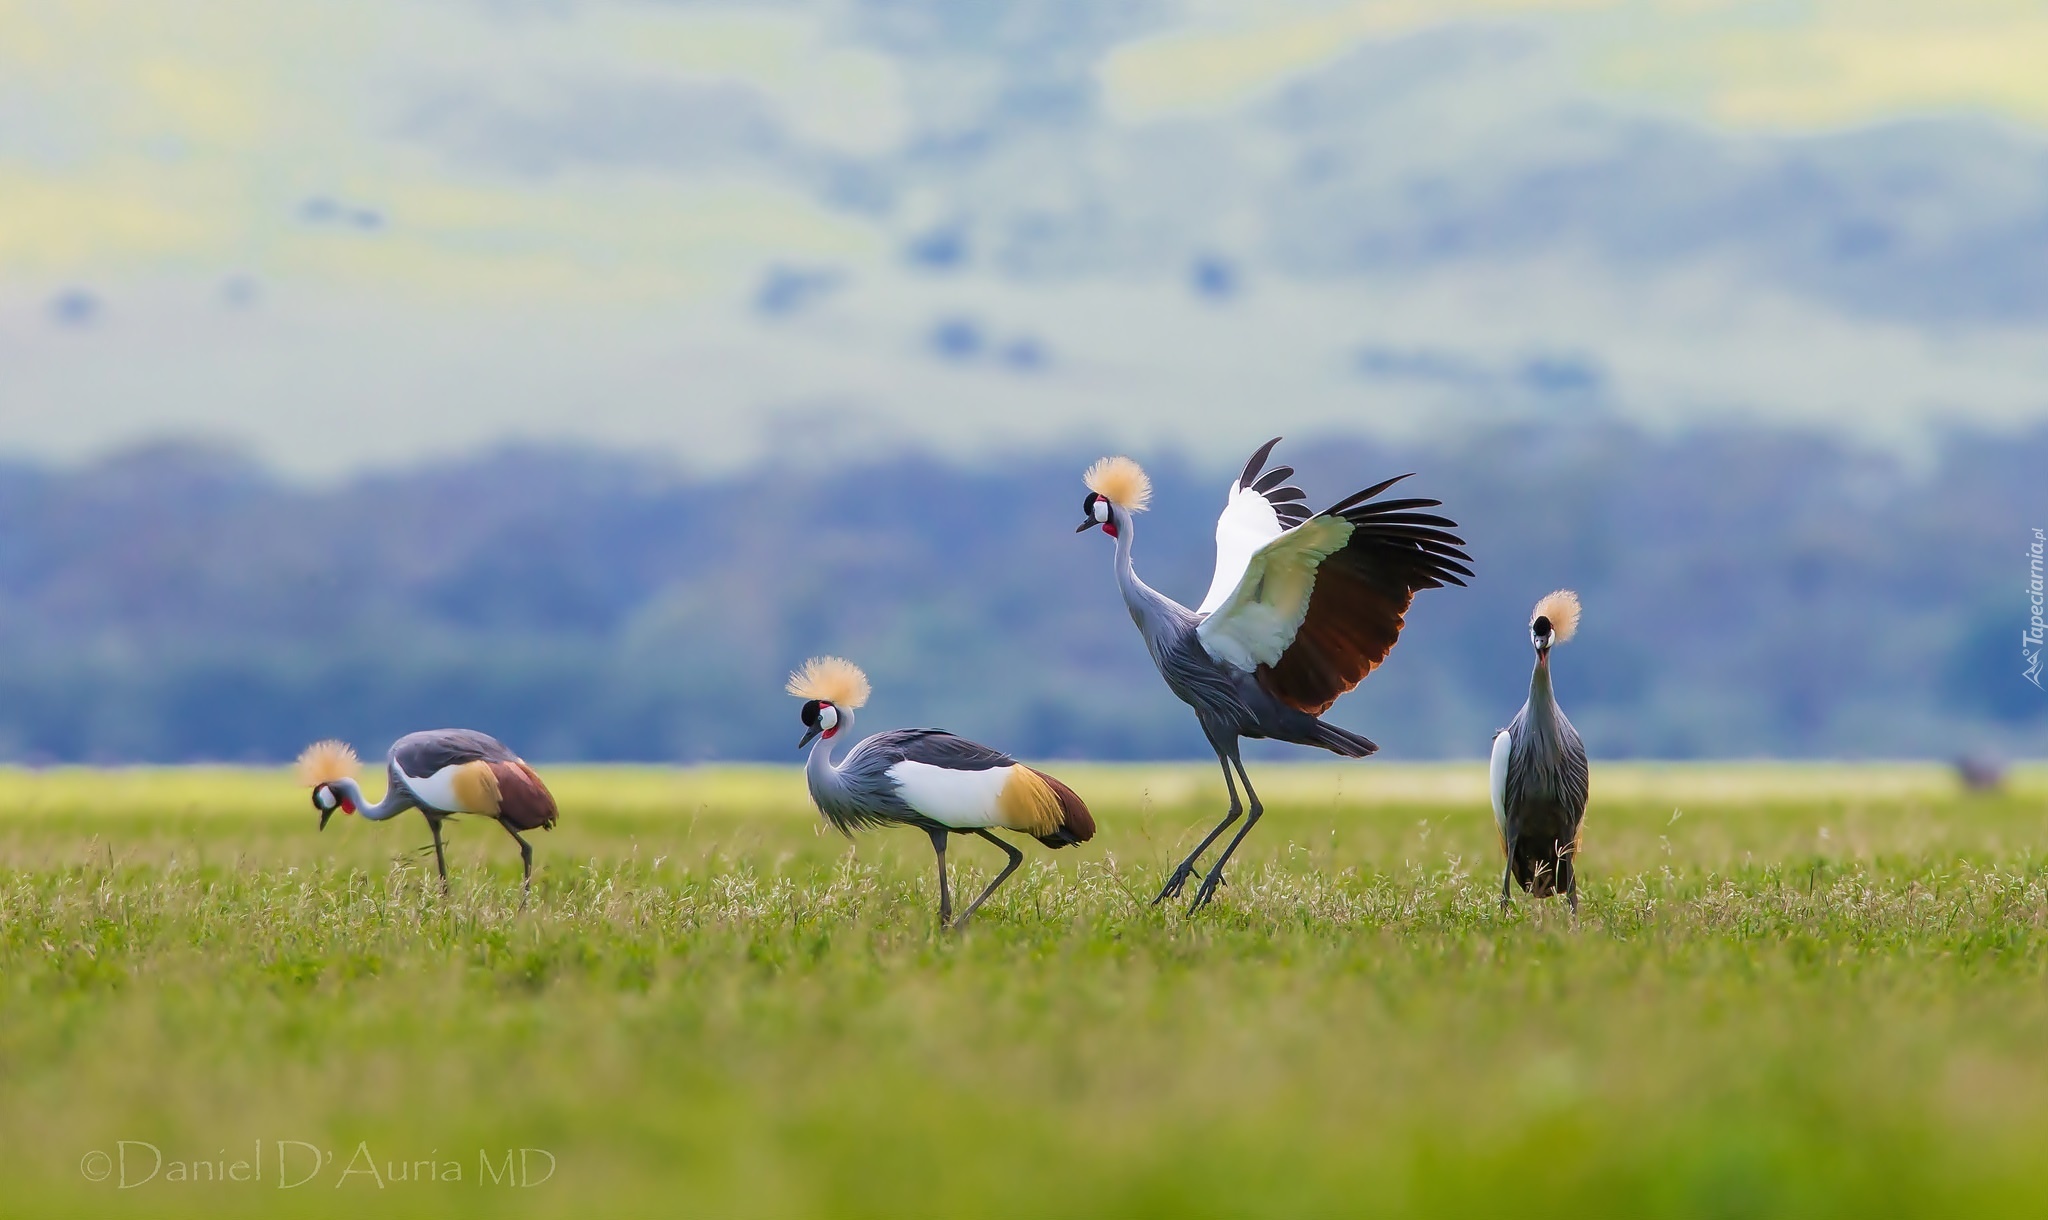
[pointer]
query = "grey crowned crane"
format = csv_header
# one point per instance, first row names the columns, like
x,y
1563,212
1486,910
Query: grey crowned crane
x,y
441,773
1538,775
1302,607
926,778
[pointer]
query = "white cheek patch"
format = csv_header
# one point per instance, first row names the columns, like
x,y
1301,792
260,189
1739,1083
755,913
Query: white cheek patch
x,y
1101,511
828,717
325,798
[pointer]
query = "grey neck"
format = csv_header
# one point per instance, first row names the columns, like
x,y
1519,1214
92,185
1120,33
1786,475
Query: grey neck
x,y
1542,703
394,803
1155,613
821,772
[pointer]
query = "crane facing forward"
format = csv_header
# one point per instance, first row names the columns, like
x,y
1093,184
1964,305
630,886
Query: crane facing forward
x,y
441,772
926,778
1538,775
1302,607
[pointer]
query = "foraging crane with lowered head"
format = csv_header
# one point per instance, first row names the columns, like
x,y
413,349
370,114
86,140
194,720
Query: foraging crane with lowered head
x,y
926,778
1538,775
441,773
1302,607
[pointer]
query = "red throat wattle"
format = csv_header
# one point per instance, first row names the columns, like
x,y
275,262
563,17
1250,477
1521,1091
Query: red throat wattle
x,y
347,805
1109,527
828,734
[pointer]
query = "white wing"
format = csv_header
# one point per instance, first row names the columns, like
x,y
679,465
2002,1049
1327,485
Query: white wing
x,y
436,791
962,800
1258,619
1248,523
1497,780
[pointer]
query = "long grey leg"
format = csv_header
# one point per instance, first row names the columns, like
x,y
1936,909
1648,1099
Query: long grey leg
x,y
1180,875
1215,877
1016,858
1507,877
440,860
945,894
525,861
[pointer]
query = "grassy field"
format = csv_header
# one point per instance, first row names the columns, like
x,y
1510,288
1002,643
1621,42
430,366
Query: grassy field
x,y
1791,990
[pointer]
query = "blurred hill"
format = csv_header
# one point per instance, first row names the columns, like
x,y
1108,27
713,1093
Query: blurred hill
x,y
1748,592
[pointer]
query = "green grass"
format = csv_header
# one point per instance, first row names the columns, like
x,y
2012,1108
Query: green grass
x,y
1815,991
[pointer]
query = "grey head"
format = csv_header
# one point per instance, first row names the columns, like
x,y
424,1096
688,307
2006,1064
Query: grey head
x,y
1097,512
1117,487
1554,620
326,800
328,769
831,688
821,717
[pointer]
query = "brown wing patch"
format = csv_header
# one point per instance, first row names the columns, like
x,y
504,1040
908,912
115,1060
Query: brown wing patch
x,y
1077,825
476,788
1028,803
525,803
1361,594
1351,626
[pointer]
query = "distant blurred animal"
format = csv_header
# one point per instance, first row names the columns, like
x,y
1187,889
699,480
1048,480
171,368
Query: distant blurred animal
x,y
1538,775
441,772
926,778
1301,608
1980,773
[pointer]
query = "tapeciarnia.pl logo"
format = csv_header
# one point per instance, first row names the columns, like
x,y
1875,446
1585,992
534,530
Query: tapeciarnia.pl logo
x,y
2031,638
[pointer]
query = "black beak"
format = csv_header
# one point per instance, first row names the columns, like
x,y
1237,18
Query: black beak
x,y
807,738
1085,526
324,815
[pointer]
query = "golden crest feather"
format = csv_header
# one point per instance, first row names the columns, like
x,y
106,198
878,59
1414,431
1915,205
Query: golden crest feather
x,y
1122,481
323,762
835,680
1562,609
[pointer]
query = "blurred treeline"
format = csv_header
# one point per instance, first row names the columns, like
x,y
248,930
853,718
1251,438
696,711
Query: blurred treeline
x,y
1748,591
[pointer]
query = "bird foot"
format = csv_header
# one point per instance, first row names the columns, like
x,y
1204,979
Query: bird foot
x,y
1210,884
1175,883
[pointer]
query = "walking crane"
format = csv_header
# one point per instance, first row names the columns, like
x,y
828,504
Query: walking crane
x,y
441,773
927,778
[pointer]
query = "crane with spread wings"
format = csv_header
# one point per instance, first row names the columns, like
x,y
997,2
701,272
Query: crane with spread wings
x,y
1302,607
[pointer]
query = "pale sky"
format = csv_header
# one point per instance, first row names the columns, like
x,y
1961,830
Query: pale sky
x,y
376,230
